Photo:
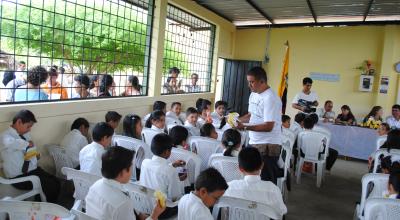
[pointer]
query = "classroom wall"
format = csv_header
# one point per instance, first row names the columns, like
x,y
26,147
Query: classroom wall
x,y
55,118
334,50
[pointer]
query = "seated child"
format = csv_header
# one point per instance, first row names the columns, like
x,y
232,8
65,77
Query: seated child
x,y
210,185
20,156
208,130
157,173
179,135
90,155
393,191
204,112
108,198
156,121
76,139
252,187
191,122
219,113
158,105
132,126
298,123
113,118
383,129
286,121
231,140
176,112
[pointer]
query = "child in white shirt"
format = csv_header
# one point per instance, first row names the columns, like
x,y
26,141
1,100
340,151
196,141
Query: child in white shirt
x,y
179,135
176,112
157,105
204,111
191,121
156,121
208,130
219,113
231,140
252,187
393,191
209,187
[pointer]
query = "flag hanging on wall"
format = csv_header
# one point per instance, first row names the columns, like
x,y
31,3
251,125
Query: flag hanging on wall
x,y
283,86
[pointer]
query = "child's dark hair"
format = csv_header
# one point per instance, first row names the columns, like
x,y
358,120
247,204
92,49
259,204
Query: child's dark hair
x,y
386,126
113,116
175,103
101,130
159,105
299,117
199,102
191,110
115,160
386,162
161,143
218,103
178,134
25,115
156,115
230,139
307,80
314,118
129,125
393,140
37,75
394,180
250,159
204,105
211,180
285,118
308,123
78,123
206,130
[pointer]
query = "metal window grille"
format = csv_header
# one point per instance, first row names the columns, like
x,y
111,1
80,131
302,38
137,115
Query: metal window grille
x,y
188,48
105,41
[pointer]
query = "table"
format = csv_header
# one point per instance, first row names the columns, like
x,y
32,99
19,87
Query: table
x,y
351,141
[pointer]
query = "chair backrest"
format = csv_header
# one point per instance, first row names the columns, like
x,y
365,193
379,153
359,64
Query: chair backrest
x,y
380,141
33,210
227,166
172,121
204,147
286,153
81,215
134,144
82,181
379,182
312,144
382,209
395,153
61,159
325,132
289,135
193,162
242,209
148,135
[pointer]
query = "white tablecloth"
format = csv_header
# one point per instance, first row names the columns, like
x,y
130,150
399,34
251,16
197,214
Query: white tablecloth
x,y
356,142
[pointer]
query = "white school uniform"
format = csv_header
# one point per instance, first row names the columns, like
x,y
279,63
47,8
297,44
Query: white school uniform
x,y
216,118
156,173
73,142
90,158
254,189
181,117
13,149
157,129
193,130
296,128
191,207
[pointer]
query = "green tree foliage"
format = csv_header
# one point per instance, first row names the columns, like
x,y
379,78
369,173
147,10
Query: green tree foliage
x,y
99,38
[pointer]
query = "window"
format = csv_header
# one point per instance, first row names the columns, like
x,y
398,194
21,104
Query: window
x,y
188,53
90,49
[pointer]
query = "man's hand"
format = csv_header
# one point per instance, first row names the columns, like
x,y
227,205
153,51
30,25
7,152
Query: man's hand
x,y
179,163
240,125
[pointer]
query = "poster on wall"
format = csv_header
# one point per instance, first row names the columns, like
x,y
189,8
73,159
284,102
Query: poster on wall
x,y
384,85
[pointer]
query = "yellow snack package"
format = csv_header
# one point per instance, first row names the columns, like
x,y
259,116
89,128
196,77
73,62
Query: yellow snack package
x,y
160,196
232,119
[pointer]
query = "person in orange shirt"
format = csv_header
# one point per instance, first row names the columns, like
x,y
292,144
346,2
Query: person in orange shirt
x,y
52,87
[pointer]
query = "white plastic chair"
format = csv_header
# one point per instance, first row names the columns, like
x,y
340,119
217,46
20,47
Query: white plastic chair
x,y
82,182
133,144
81,215
382,209
193,162
242,209
227,166
61,159
172,121
290,135
380,141
143,198
286,151
312,144
379,182
395,153
33,210
148,135
204,147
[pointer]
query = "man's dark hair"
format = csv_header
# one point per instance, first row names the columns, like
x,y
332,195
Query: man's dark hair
x,y
206,129
78,123
308,123
314,118
258,73
115,160
37,75
178,134
174,70
83,80
307,80
218,103
250,159
175,103
191,110
101,130
161,143
211,180
113,116
396,106
159,105
285,118
9,75
299,117
25,115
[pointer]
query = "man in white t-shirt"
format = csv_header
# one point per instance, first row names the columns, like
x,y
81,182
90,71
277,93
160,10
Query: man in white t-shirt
x,y
306,101
264,122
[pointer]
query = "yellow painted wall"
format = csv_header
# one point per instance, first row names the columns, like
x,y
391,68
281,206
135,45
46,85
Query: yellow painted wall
x,y
336,50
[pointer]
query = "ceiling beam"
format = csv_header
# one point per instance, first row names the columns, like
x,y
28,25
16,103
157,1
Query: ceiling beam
x,y
213,10
312,10
265,15
368,8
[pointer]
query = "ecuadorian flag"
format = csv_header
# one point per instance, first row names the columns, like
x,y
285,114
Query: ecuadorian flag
x,y
283,86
